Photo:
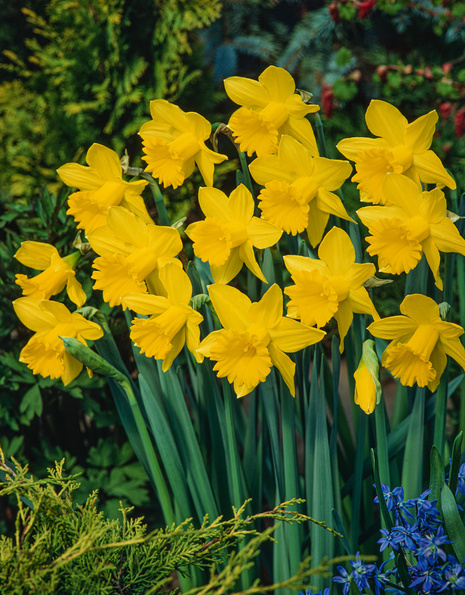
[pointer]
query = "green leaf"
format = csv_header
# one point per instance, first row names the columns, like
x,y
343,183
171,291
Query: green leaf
x,y
437,475
453,522
455,462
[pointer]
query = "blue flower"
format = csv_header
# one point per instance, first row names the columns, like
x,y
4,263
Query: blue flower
x,y
345,579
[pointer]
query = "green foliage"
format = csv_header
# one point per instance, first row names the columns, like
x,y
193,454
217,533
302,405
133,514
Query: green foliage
x,y
61,548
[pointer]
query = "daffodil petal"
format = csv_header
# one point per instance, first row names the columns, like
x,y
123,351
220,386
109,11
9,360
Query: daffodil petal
x,y
269,310
295,264
294,156
434,260
393,327
291,336
263,234
245,91
419,134
80,176
214,203
178,343
193,335
231,305
344,317
332,204
360,302
434,206
177,284
246,254
285,366
103,242
75,292
337,251
146,304
351,147
453,348
439,361
166,114
317,222
227,271
402,192
127,227
447,238
265,169
71,368
278,82
431,170
386,121
331,173
105,161
302,130
30,313
241,204
36,255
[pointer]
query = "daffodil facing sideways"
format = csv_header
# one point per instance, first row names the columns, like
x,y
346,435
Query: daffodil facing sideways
x,y
174,141
400,148
420,342
172,321
329,286
367,385
255,337
101,186
412,224
270,107
298,189
57,272
44,353
229,232
131,253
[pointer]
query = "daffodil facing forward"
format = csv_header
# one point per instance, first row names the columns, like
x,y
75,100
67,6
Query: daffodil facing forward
x,y
57,272
420,342
172,321
270,107
174,141
101,186
298,189
329,286
413,223
227,236
255,337
400,148
131,252
44,353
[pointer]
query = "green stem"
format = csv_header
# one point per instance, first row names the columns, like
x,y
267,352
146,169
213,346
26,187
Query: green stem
x,y
156,193
439,439
245,171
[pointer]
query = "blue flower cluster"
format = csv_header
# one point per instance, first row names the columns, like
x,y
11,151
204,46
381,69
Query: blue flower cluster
x,y
419,533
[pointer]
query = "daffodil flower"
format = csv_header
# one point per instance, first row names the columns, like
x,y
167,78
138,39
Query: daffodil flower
x,y
367,385
101,186
413,223
131,251
228,234
171,323
255,337
400,148
329,286
270,107
297,193
57,272
174,141
44,353
420,342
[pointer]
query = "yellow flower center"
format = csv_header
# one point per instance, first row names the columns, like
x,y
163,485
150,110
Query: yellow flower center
x,y
314,298
418,228
411,361
109,195
258,131
184,147
44,352
212,241
397,248
115,277
154,335
142,262
284,206
274,114
402,158
341,286
372,167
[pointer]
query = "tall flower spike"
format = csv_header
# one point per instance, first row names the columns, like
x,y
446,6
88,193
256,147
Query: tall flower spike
x,y
227,236
131,252
400,148
255,337
171,323
101,186
44,353
420,342
413,223
270,107
57,272
174,141
298,189
331,286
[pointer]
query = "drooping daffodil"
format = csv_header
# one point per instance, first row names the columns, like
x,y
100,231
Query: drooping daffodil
x,y
255,337
413,223
131,252
400,148
329,286
174,141
367,385
172,321
44,353
270,107
57,272
298,189
229,232
101,186
420,342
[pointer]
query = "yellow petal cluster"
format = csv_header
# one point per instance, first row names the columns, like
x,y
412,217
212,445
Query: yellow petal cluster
x,y
255,337
329,286
228,234
420,342
44,353
413,223
367,385
270,108
101,186
174,141
400,148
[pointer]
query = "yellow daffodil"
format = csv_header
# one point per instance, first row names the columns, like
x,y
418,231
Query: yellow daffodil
x,y
330,286
57,272
44,353
297,193
420,342
413,223
171,323
101,186
401,148
228,234
270,107
255,337
174,143
130,252
367,385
